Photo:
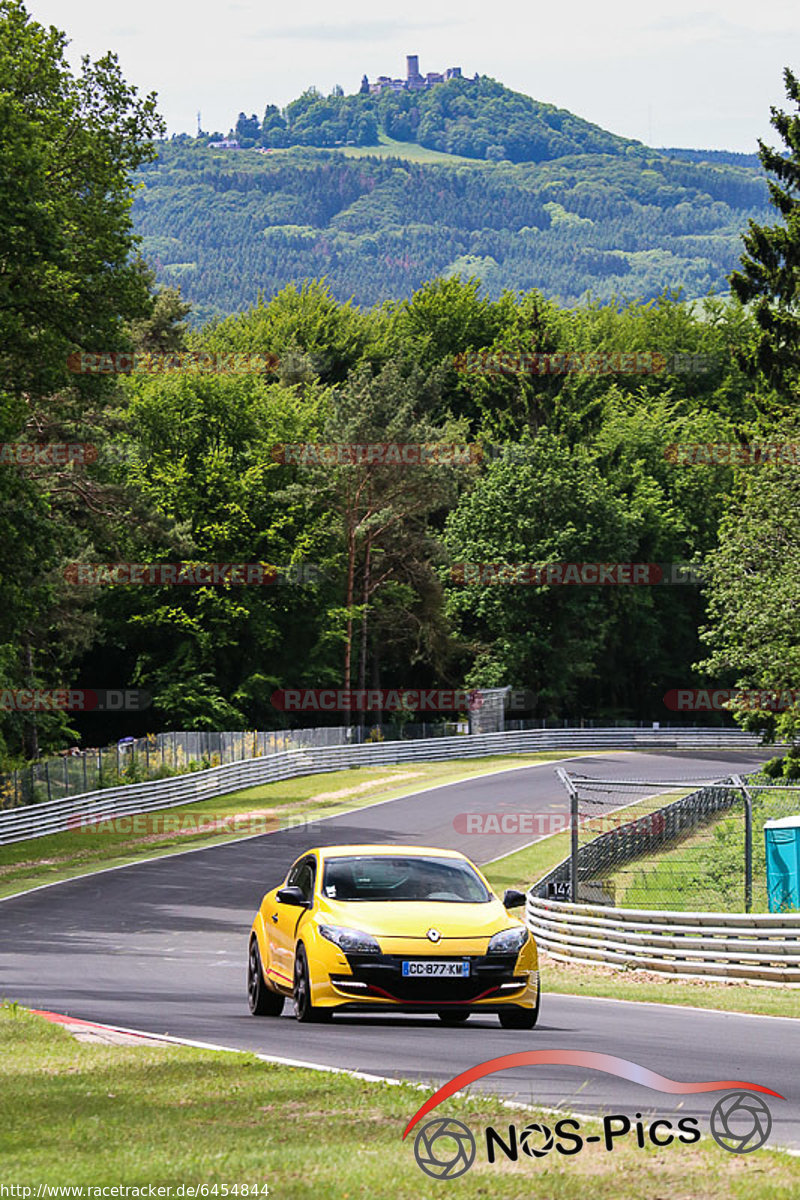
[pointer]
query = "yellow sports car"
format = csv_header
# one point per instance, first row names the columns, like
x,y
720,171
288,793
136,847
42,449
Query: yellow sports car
x,y
391,927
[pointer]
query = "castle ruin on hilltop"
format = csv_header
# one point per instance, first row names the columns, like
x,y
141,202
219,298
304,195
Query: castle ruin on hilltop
x,y
413,82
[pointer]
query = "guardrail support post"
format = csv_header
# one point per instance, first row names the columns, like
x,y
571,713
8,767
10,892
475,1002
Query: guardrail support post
x,y
748,843
573,829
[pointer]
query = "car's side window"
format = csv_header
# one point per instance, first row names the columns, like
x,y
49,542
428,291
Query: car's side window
x,y
305,878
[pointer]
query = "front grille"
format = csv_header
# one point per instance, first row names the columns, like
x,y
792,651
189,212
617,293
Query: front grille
x,y
383,975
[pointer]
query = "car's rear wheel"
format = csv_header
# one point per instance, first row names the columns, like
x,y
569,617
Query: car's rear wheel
x,y
515,1017
454,1016
262,1000
304,1010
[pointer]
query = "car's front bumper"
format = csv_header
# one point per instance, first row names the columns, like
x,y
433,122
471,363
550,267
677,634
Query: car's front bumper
x,y
376,980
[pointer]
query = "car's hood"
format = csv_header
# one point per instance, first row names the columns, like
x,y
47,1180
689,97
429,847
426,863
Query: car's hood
x,y
413,919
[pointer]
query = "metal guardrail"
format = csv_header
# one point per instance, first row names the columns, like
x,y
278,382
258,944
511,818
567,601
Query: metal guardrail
x,y
158,755
38,820
761,947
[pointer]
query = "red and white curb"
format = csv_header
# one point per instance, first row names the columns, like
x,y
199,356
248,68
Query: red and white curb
x,y
106,1035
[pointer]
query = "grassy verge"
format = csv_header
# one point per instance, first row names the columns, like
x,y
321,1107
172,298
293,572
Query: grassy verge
x,y
695,875
585,979
80,1114
28,864
705,870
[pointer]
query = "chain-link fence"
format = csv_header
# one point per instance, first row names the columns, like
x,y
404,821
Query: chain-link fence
x,y
684,845
158,756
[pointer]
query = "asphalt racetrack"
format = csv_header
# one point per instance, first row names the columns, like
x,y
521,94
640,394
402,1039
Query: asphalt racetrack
x,y
161,946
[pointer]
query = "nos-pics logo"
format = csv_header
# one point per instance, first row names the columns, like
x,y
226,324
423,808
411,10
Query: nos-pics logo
x,y
446,1148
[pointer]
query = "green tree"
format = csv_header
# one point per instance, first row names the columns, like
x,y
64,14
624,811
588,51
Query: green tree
x,y
754,598
770,274
381,513
553,507
68,277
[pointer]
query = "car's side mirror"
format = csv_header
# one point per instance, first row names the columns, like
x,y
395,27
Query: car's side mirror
x,y
512,898
292,895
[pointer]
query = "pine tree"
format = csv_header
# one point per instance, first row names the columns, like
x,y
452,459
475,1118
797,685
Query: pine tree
x,y
770,275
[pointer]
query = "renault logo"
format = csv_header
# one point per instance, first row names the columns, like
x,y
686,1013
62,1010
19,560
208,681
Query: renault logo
x,y
434,935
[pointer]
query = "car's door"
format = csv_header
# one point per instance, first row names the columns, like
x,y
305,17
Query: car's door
x,y
282,920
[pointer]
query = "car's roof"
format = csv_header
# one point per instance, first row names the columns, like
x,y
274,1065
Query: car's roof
x,y
383,848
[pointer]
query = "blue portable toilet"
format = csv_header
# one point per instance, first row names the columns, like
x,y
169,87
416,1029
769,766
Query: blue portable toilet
x,y
782,838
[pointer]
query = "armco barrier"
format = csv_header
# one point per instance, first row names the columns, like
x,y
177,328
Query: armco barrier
x,y
759,947
37,820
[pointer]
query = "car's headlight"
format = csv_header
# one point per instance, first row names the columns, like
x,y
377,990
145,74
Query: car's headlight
x,y
508,941
352,941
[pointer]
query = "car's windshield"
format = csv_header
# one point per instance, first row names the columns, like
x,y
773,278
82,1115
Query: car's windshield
x,y
386,877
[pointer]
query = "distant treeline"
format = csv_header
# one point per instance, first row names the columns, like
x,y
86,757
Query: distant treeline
x,y
732,158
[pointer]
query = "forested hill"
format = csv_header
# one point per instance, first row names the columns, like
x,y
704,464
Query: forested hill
x,y
422,185
476,118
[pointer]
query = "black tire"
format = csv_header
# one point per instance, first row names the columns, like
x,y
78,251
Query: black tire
x,y
262,1000
304,1010
515,1017
454,1016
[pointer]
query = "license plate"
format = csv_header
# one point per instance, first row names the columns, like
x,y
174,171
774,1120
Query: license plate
x,y
430,968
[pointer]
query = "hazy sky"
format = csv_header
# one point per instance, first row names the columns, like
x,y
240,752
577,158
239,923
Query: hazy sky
x,y
660,71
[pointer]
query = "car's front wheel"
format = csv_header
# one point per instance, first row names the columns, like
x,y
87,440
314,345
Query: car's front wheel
x,y
304,1010
262,1000
515,1017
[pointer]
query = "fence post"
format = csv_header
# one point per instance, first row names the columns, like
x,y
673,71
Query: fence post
x,y
748,843
573,856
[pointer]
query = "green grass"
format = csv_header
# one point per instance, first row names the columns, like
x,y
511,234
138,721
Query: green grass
x,y
411,152
586,979
705,870
92,1115
687,878
24,865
